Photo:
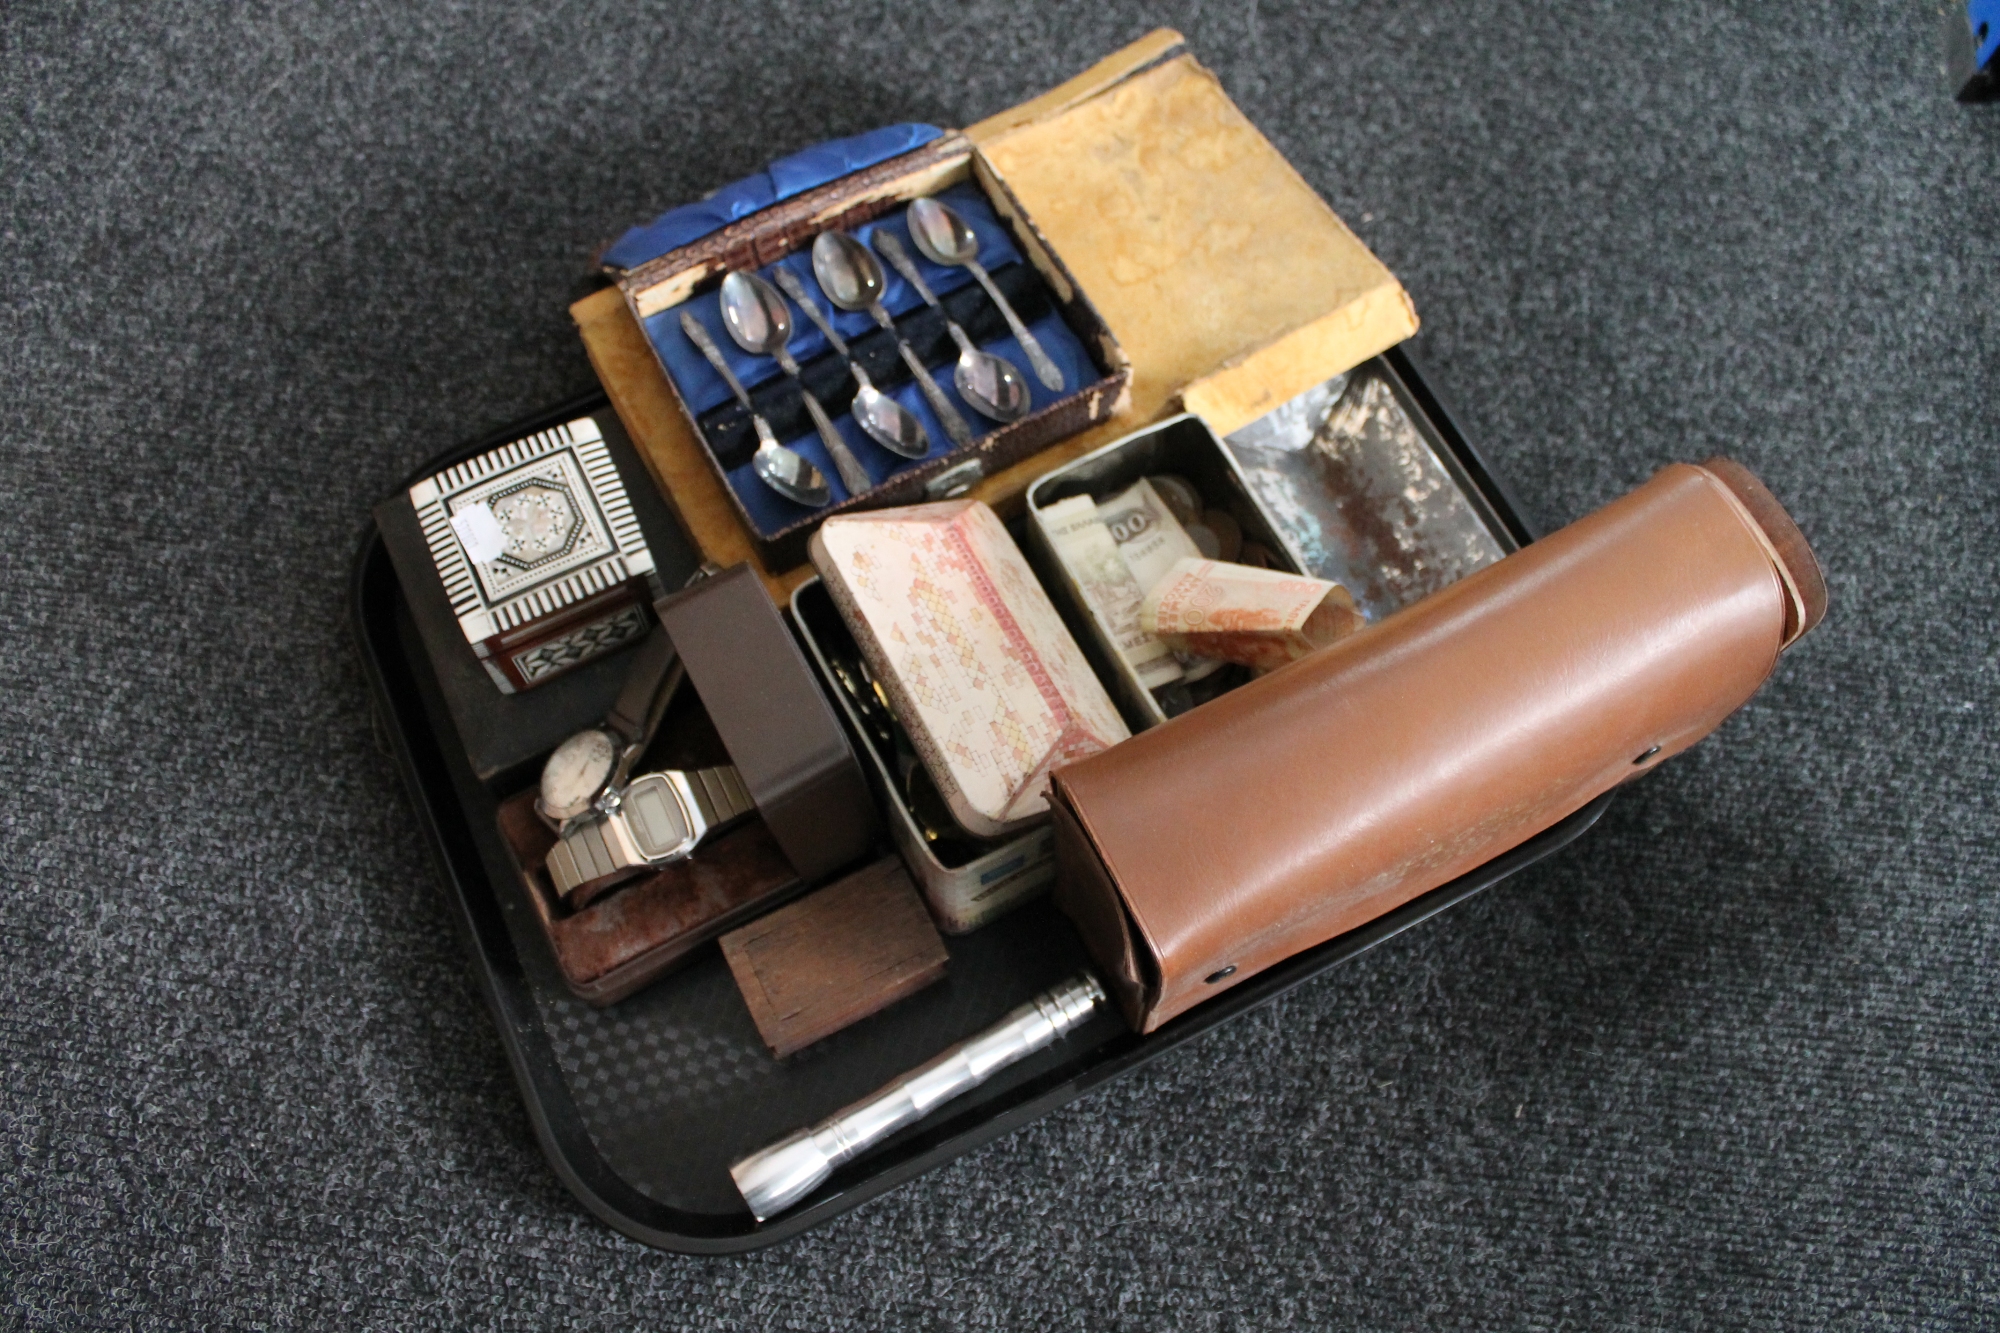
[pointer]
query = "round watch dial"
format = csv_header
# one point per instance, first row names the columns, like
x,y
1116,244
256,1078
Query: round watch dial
x,y
576,772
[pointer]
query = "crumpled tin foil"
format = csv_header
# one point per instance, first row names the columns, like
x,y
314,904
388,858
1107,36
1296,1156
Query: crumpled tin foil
x,y
1361,495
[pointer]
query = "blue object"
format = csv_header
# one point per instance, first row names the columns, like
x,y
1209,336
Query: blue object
x,y
1971,39
1983,18
784,178
703,390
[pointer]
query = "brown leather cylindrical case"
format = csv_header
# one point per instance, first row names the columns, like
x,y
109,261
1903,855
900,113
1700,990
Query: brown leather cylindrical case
x,y
1337,788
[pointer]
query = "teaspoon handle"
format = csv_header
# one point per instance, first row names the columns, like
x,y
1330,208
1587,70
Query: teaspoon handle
x,y
797,291
699,337
899,259
1045,370
954,424
852,475
803,299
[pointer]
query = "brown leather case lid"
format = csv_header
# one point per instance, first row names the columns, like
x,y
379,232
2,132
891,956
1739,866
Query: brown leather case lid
x,y
780,731
1340,787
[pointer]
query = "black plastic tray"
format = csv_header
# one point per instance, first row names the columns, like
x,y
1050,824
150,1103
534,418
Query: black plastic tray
x,y
641,1107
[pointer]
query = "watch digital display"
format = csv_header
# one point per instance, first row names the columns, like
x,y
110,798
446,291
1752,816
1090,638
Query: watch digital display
x,y
654,817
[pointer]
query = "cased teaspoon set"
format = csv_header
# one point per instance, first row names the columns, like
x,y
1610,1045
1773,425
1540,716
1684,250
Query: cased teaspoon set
x,y
759,320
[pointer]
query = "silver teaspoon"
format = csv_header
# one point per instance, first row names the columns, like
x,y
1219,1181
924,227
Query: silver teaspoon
x,y
852,280
789,473
990,383
887,421
761,323
945,238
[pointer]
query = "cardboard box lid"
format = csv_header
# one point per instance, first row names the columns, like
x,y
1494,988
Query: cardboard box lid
x,y
1230,284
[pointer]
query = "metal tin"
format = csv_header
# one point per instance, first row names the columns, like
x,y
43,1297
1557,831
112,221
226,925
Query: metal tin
x,y
966,886
1183,445
1352,481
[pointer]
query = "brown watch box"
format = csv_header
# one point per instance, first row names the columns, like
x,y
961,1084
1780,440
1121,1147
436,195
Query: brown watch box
x,y
609,943
750,700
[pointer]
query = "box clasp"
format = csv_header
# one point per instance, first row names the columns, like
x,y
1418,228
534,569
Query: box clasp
x,y
955,481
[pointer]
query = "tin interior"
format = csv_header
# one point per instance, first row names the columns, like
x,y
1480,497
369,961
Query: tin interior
x,y
959,873
1360,489
1183,445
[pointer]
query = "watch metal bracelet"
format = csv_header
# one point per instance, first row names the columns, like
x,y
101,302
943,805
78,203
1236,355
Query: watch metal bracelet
x,y
690,806
590,851
719,795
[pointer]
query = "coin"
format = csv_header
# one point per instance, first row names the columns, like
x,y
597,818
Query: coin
x,y
1228,533
1183,500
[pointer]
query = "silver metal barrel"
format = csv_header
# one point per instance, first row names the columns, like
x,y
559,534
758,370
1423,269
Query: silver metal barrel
x,y
774,1178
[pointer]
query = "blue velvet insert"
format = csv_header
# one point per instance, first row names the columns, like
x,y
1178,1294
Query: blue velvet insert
x,y
784,178
703,390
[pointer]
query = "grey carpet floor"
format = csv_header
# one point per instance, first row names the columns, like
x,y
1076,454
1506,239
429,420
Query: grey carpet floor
x,y
1733,1060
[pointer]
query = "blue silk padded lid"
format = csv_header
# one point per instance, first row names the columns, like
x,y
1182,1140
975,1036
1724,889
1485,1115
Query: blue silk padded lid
x,y
781,180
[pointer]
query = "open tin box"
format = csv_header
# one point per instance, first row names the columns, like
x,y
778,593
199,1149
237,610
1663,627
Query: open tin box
x,y
966,881
1231,290
1352,481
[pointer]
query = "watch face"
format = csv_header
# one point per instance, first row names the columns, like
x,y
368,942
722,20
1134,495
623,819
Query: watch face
x,y
654,817
576,772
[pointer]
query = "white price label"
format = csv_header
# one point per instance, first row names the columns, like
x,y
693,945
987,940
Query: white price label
x,y
479,533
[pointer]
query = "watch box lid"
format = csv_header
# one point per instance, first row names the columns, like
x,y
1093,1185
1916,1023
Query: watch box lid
x,y
781,732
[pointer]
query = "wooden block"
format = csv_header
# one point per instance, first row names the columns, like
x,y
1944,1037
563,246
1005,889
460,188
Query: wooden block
x,y
850,950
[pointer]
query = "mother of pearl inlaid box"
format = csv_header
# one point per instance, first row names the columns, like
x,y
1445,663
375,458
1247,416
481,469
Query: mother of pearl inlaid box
x,y
540,554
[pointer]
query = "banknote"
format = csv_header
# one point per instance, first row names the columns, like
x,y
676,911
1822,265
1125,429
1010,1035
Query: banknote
x,y
1148,535
1257,617
1084,544
1152,540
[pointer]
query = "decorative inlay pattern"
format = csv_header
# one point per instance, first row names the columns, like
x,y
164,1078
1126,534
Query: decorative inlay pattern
x,y
568,528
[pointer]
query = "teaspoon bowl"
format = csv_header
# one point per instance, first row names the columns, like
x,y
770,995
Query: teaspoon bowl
x,y
942,235
852,279
991,384
846,270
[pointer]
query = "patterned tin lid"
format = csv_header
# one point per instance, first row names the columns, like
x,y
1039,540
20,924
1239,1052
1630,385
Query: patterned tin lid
x,y
978,665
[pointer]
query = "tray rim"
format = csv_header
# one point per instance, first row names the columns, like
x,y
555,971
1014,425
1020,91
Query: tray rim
x,y
471,902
